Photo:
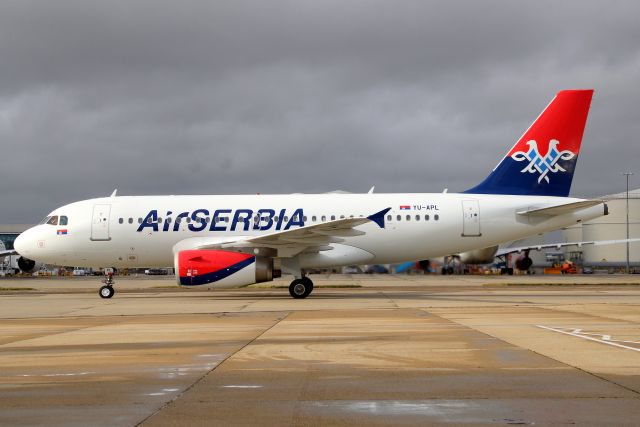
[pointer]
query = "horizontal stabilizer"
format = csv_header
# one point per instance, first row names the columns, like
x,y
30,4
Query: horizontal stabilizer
x,y
561,209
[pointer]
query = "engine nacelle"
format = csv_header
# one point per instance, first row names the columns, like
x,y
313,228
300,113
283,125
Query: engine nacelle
x,y
221,269
479,256
524,263
28,265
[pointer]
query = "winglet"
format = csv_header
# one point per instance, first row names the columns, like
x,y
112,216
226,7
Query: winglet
x,y
378,218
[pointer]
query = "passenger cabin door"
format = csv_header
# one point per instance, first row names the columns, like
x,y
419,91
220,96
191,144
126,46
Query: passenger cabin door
x,y
100,222
470,218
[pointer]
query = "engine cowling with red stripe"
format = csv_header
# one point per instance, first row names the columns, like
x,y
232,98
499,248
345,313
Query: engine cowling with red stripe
x,y
221,269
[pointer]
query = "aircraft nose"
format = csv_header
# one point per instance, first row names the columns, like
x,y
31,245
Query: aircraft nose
x,y
23,243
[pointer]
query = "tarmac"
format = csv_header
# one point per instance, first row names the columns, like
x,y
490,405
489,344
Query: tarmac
x,y
361,350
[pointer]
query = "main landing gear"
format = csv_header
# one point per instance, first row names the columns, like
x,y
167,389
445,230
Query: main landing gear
x,y
301,288
107,291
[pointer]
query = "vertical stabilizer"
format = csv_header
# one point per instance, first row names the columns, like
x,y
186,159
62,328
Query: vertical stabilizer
x,y
543,160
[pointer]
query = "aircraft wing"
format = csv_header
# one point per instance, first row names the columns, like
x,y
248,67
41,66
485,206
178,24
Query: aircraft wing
x,y
510,250
287,243
6,253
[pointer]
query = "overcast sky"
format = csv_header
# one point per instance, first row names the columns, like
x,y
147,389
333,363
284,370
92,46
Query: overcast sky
x,y
206,97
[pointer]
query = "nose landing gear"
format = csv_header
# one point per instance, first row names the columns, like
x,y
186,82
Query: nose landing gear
x,y
107,291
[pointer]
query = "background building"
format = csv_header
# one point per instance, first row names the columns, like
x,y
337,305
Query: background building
x,y
9,232
610,227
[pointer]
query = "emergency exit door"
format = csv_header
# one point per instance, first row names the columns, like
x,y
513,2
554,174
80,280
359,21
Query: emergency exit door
x,y
100,222
470,218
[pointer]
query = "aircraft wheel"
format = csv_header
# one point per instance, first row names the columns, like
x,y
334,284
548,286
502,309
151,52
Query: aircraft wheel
x,y
301,288
106,291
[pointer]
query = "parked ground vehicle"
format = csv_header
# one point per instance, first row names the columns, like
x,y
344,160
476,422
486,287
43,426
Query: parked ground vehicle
x,y
156,272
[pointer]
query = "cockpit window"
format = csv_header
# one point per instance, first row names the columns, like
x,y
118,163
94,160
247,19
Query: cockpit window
x,y
63,220
53,220
45,220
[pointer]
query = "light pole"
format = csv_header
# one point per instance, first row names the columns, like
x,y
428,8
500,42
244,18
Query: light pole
x,y
627,175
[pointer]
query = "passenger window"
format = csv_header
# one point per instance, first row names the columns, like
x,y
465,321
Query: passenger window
x,y
417,217
120,220
313,218
139,220
324,218
333,217
389,217
304,218
63,220
159,220
426,217
398,218
408,217
341,216
436,217
53,220
286,219
130,220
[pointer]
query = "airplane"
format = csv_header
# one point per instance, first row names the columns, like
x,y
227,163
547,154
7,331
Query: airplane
x,y
488,255
232,241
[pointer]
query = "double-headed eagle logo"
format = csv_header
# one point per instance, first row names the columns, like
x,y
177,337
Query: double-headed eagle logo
x,y
543,165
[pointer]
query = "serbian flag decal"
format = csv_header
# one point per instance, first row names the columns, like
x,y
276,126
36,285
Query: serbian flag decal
x,y
62,232
405,207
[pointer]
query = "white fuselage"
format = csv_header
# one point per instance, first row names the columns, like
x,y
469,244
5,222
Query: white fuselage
x,y
107,232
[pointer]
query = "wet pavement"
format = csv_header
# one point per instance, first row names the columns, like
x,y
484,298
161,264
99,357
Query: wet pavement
x,y
398,350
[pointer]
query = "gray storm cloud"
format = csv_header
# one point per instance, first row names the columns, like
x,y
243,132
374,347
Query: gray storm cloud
x,y
301,96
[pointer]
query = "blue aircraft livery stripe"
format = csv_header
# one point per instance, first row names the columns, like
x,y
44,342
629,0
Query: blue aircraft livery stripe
x,y
511,178
216,276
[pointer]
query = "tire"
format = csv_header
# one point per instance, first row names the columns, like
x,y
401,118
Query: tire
x,y
106,292
300,288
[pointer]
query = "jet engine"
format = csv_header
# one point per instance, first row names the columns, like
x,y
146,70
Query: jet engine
x,y
221,269
479,256
524,263
28,265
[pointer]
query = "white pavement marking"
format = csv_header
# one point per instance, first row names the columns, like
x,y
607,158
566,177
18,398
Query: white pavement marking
x,y
242,386
58,375
590,338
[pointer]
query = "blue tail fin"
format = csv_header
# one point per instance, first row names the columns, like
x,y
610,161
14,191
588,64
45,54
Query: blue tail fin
x,y
543,160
